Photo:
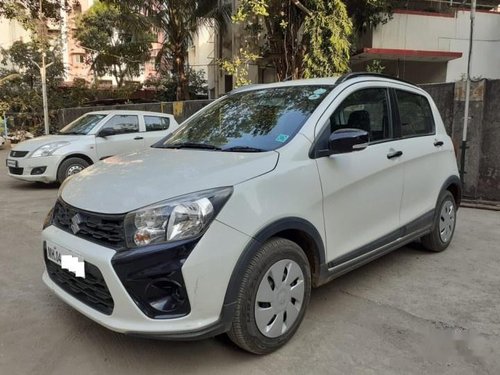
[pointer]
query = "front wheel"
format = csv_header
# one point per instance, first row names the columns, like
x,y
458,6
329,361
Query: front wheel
x,y
70,167
444,224
273,297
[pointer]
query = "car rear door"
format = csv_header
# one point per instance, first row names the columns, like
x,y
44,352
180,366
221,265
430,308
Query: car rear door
x,y
156,127
425,156
361,190
127,137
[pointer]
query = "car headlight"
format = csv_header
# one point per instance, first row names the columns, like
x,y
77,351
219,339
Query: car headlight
x,y
48,149
175,219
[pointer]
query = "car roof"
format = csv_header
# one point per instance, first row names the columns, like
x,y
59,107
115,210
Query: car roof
x,y
127,112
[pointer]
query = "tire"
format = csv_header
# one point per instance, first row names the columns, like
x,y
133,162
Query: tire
x,y
70,167
444,224
262,296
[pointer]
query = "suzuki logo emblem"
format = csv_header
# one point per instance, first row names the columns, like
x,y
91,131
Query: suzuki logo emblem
x,y
75,223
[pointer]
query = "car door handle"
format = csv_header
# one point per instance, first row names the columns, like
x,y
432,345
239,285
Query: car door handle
x,y
394,154
138,138
438,143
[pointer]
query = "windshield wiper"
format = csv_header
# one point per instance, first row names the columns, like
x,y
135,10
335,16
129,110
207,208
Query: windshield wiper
x,y
69,133
204,146
243,149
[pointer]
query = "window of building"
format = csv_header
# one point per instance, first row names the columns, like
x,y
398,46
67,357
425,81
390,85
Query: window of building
x,y
154,123
415,114
80,59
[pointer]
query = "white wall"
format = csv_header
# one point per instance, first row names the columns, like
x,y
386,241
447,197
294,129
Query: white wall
x,y
10,32
451,34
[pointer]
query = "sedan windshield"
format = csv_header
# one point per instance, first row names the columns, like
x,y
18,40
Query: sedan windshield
x,y
82,125
251,121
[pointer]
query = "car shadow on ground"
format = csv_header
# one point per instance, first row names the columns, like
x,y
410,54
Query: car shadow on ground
x,y
32,186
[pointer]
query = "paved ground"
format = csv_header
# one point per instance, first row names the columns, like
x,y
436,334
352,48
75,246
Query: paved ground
x,y
410,312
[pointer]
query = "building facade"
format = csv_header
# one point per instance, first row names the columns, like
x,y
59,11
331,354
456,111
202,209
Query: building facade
x,y
425,41
430,47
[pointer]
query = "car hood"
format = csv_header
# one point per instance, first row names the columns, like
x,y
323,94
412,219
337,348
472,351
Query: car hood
x,y
32,144
125,183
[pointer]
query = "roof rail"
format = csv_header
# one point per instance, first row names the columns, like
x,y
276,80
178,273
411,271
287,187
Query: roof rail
x,y
349,76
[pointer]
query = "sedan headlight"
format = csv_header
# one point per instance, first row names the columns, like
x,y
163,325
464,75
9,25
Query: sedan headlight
x,y
48,149
175,219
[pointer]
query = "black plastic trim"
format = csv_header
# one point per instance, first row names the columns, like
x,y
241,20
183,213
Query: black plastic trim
x,y
289,223
453,181
221,326
140,268
377,248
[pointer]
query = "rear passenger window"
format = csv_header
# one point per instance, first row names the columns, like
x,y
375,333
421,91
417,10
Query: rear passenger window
x,y
415,114
154,123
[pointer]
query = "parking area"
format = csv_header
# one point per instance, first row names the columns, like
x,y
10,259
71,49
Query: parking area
x,y
410,312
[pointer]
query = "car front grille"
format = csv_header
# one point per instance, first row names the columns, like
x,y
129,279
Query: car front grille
x,y
91,290
16,171
18,154
106,230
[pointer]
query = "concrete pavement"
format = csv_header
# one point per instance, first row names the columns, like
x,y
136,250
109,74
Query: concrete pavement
x,y
410,312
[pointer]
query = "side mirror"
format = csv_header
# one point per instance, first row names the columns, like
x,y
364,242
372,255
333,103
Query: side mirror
x,y
343,141
106,132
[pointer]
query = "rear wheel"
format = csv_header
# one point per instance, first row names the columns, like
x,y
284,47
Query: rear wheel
x,y
273,297
70,167
444,224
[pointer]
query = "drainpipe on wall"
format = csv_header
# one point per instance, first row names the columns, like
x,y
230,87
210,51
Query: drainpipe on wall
x,y
467,92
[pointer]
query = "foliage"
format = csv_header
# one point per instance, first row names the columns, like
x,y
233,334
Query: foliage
x,y
328,31
375,67
366,14
25,11
177,21
301,39
113,46
23,92
166,85
237,66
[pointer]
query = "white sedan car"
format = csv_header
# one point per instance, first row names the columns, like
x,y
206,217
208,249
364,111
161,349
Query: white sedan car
x,y
94,136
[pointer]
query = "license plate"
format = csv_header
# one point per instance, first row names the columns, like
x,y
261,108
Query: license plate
x,y
63,258
12,163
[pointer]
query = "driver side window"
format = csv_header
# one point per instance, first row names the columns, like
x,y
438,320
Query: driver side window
x,y
367,110
123,124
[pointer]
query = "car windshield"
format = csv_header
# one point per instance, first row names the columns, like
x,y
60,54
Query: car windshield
x,y
82,125
251,121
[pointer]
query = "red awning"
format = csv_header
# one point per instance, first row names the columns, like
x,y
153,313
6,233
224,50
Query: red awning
x,y
368,54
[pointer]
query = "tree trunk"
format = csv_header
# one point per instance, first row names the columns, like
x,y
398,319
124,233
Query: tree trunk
x,y
182,90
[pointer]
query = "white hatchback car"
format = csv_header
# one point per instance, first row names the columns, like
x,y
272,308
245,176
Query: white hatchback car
x,y
90,138
267,192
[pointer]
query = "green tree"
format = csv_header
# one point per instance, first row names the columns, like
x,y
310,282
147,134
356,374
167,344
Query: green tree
x,y
113,45
23,93
177,21
166,85
307,38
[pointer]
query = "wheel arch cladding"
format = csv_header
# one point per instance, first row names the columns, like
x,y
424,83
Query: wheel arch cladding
x,y
454,186
80,156
297,230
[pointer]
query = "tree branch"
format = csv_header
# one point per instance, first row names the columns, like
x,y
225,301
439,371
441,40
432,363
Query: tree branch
x,y
302,7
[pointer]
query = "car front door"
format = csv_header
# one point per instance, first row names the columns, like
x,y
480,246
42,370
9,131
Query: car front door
x,y
362,189
125,137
